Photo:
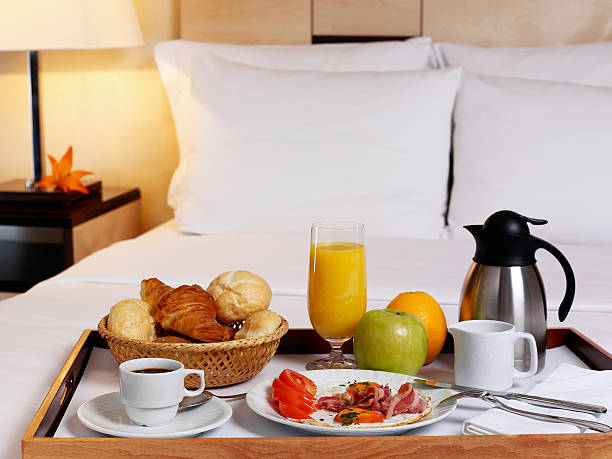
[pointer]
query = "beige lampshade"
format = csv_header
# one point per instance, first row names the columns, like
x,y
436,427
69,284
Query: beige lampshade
x,y
68,24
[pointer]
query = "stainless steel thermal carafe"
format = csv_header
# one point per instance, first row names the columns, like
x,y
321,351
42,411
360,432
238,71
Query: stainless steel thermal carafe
x,y
504,283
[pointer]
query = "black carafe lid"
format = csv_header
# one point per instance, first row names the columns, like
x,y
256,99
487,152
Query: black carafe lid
x,y
504,240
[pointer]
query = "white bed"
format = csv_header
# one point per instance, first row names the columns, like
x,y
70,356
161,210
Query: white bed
x,y
40,327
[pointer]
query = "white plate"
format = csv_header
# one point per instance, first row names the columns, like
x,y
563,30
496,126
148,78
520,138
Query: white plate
x,y
106,414
260,401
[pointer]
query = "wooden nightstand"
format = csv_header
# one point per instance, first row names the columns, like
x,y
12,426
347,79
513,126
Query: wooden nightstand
x,y
42,233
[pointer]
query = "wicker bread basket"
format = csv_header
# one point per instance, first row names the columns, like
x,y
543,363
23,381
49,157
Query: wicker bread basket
x,y
224,363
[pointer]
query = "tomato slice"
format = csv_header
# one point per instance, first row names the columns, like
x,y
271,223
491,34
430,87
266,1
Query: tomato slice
x,y
277,384
290,411
357,416
298,382
284,386
294,399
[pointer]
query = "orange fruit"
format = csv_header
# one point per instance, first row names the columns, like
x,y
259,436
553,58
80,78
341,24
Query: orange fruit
x,y
429,311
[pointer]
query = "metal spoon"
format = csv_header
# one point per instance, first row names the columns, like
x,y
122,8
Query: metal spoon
x,y
205,396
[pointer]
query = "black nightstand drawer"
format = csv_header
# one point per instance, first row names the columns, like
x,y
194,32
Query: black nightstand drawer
x,y
26,263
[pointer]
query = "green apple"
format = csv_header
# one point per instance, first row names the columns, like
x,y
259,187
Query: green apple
x,y
390,340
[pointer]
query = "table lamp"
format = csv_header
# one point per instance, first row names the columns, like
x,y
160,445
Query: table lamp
x,y
33,25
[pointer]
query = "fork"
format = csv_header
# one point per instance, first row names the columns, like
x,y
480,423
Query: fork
x,y
484,395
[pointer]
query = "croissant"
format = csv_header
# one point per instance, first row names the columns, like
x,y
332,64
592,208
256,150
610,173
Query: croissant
x,y
188,310
152,291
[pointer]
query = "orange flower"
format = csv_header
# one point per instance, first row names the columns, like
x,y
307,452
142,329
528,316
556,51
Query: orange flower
x,y
62,176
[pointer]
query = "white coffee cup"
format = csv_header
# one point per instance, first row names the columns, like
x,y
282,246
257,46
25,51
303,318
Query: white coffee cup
x,y
151,398
484,354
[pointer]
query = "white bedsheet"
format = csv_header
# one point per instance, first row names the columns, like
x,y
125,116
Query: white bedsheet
x,y
39,328
394,265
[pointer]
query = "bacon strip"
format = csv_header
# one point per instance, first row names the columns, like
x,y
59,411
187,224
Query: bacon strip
x,y
377,399
332,403
406,401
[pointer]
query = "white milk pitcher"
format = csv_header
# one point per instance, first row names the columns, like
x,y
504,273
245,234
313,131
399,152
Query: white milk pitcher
x,y
484,354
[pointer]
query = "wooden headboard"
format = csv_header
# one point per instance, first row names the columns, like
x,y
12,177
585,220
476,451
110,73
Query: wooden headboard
x,y
479,22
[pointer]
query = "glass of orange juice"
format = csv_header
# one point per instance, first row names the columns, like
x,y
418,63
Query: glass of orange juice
x,y
336,287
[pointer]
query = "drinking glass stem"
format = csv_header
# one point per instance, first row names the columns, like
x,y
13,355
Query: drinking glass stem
x,y
336,350
335,359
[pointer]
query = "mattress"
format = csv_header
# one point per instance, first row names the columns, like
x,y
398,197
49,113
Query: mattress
x,y
39,328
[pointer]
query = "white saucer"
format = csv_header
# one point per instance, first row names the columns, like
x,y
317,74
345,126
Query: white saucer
x,y
106,414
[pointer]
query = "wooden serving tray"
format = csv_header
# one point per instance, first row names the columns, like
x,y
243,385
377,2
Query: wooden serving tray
x,y
39,442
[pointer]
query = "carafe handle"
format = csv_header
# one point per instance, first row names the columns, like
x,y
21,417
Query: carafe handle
x,y
570,281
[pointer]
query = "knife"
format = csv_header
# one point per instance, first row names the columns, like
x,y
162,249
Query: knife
x,y
531,399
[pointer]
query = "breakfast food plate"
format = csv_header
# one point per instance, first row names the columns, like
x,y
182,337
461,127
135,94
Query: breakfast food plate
x,y
105,414
259,399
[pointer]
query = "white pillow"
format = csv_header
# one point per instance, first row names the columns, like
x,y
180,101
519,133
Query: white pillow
x,y
542,149
584,64
275,150
175,62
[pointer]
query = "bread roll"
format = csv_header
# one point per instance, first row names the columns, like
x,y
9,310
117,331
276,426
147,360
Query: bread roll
x,y
239,294
133,319
259,324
